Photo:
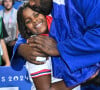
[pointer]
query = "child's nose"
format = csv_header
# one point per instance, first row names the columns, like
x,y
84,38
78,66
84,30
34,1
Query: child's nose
x,y
34,20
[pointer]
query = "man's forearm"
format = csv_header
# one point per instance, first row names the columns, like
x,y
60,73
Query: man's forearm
x,y
24,51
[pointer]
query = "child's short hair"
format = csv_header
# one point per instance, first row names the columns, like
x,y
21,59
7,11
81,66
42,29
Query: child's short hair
x,y
21,23
13,1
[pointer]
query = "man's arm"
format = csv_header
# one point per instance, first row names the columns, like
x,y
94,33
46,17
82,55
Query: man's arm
x,y
28,53
24,50
5,53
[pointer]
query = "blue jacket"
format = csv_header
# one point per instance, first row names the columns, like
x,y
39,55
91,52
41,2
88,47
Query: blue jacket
x,y
76,28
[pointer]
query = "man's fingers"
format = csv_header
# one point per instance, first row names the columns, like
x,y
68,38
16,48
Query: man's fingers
x,y
33,60
37,39
32,45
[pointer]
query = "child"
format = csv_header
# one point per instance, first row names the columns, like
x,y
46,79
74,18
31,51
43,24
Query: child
x,y
32,22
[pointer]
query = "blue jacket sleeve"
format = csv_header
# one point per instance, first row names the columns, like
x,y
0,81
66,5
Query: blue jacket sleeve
x,y
17,61
84,51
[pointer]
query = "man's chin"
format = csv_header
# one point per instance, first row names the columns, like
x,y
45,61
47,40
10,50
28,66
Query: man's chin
x,y
45,7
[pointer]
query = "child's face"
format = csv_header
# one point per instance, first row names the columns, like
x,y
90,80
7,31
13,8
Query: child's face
x,y
35,22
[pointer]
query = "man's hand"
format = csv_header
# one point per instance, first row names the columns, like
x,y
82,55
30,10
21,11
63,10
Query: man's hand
x,y
29,53
45,44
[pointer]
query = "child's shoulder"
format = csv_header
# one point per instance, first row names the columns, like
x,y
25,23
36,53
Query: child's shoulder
x,y
49,17
49,21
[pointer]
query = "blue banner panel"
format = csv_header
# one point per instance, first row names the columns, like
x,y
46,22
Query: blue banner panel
x,y
14,80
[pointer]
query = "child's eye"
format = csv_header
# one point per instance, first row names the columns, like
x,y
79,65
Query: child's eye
x,y
27,21
36,15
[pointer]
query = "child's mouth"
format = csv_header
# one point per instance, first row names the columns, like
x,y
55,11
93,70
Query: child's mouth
x,y
38,25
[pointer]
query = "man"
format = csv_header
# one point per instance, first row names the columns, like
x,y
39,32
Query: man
x,y
75,42
3,49
9,15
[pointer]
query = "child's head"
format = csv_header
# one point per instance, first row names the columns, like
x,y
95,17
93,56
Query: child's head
x,y
31,22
